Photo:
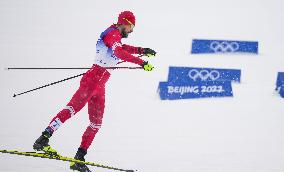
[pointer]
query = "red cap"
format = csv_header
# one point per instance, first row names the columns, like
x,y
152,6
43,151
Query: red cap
x,y
126,18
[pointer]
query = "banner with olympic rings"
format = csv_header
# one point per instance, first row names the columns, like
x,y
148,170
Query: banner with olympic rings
x,y
281,91
280,84
192,82
185,74
280,80
200,46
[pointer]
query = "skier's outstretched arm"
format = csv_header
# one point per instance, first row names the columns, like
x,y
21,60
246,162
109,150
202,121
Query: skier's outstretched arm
x,y
139,50
132,49
113,40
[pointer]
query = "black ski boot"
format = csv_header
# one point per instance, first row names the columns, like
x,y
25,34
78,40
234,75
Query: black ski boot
x,y
41,144
78,166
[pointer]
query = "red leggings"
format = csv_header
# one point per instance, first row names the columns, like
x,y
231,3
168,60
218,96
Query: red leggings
x,y
91,91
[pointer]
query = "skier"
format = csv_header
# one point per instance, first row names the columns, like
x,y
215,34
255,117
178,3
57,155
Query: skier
x,y
109,52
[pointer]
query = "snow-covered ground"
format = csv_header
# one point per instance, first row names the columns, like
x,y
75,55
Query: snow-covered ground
x,y
240,134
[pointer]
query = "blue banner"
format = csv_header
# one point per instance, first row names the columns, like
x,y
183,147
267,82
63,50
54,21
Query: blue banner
x,y
280,80
223,46
185,74
170,91
281,91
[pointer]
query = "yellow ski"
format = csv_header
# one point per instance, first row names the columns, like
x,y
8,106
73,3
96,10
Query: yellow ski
x,y
61,158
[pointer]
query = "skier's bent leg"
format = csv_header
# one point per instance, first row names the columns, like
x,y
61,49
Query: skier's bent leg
x,y
78,101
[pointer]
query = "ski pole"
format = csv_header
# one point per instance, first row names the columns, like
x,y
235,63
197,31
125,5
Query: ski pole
x,y
50,68
47,85
43,68
60,68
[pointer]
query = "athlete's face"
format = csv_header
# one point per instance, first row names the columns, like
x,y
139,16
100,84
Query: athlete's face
x,y
129,28
126,30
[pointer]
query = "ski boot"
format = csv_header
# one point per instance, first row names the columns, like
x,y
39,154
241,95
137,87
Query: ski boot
x,y
79,166
41,144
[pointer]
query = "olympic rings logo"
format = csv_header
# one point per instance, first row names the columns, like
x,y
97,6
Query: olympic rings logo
x,y
204,75
222,47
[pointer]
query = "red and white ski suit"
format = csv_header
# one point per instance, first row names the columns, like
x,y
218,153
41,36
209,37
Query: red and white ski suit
x,y
110,52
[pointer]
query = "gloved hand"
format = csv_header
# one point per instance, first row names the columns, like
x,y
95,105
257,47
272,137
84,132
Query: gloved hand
x,y
147,67
149,52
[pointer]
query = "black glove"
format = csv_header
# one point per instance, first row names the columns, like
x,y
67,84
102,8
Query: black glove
x,y
149,52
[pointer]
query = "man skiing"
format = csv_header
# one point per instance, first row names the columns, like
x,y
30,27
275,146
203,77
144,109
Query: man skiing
x,y
109,52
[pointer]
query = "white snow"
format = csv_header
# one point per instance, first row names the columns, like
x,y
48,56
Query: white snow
x,y
239,134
